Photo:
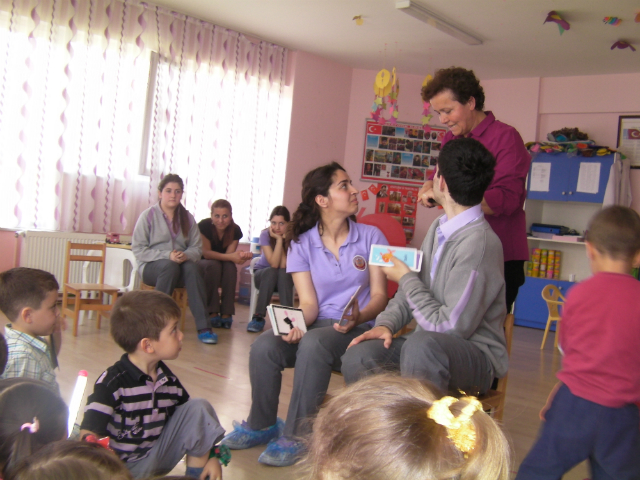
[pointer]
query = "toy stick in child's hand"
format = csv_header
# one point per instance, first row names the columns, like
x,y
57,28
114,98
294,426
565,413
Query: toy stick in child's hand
x,y
76,398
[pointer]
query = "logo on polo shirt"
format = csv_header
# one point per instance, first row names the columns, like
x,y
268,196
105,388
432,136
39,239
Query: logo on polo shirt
x,y
360,263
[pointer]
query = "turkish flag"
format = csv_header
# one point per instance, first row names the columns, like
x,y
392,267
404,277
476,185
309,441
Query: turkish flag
x,y
634,134
364,194
374,128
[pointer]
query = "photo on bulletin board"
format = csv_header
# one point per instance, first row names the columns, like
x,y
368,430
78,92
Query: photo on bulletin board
x,y
399,202
402,153
629,138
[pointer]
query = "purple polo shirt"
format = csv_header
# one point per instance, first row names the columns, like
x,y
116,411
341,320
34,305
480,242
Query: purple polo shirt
x,y
507,191
264,241
336,280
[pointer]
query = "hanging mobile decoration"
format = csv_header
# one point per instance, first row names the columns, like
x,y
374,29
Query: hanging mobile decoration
x,y
393,98
426,116
386,89
615,21
623,44
554,17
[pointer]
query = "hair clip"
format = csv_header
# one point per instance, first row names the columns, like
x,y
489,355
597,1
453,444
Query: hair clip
x,y
32,427
460,430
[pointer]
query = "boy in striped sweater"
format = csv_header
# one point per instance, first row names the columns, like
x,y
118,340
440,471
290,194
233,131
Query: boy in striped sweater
x,y
141,405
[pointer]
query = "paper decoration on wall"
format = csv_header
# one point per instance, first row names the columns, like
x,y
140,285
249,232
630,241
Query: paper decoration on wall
x,y
358,19
553,16
623,44
386,89
426,116
614,21
374,188
364,194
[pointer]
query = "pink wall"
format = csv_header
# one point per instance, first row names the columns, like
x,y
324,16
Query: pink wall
x,y
10,248
320,106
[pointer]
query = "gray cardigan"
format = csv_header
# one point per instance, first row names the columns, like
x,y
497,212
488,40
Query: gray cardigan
x,y
152,239
467,297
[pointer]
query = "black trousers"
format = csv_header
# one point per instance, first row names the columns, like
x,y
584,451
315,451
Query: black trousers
x,y
514,279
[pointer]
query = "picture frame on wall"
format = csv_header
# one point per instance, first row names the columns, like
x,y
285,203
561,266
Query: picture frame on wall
x,y
629,138
402,153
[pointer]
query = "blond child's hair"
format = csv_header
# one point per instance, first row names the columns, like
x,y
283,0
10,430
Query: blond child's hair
x,y
378,428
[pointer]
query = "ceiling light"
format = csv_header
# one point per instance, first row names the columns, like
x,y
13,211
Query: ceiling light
x,y
424,15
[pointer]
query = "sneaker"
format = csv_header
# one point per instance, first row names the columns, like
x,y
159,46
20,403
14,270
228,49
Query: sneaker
x,y
243,437
226,322
216,321
283,452
256,324
208,337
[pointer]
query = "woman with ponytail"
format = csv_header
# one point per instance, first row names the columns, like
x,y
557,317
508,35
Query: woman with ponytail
x,y
328,258
31,416
167,246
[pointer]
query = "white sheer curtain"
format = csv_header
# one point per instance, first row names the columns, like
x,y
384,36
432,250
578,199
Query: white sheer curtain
x,y
72,107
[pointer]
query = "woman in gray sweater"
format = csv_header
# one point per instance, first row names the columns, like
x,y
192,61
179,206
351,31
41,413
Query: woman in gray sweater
x,y
167,246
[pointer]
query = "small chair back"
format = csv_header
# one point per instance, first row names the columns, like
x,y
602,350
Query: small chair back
x,y
96,254
554,299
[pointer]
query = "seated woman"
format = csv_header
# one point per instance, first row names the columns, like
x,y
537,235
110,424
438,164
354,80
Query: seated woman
x,y
167,245
328,259
220,236
271,270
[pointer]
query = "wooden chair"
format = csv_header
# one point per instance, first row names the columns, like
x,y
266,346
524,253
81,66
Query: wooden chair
x,y
179,296
554,299
493,400
72,293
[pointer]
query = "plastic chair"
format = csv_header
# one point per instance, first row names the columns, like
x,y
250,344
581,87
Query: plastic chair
x,y
493,401
551,294
394,234
72,293
253,296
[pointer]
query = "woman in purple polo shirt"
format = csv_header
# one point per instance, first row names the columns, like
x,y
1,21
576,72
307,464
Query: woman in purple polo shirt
x,y
328,260
458,98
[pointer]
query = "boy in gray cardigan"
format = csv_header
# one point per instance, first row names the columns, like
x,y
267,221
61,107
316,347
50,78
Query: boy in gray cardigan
x,y
457,299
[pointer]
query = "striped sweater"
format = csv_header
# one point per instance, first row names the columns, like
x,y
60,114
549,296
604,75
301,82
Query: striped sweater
x,y
129,408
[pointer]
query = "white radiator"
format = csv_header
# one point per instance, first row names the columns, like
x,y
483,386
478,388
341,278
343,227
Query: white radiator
x,y
46,251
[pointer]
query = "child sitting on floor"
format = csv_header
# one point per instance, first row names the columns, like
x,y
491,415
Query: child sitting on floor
x,y
140,404
29,299
390,427
593,413
31,416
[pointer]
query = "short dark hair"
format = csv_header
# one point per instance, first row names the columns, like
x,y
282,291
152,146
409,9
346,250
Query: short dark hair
x,y
615,232
468,168
462,83
141,314
24,287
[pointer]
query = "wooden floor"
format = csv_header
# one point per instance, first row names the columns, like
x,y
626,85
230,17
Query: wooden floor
x,y
220,374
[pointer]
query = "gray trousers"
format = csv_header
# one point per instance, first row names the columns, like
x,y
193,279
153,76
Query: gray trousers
x,y
222,275
266,280
166,275
192,429
450,363
317,354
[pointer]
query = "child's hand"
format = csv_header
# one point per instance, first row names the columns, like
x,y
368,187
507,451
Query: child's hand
x,y
396,272
212,470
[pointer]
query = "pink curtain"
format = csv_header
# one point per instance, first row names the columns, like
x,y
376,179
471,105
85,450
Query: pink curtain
x,y
73,99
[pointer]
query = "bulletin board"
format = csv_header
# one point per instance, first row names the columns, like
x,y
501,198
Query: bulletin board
x,y
403,153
